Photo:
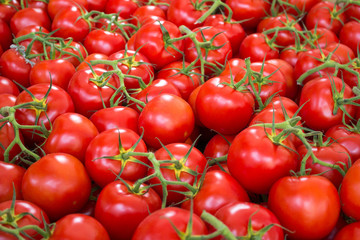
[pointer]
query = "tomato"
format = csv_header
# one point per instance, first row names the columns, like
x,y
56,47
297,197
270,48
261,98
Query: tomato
x,y
332,154
257,169
185,79
162,223
29,16
151,40
105,42
6,35
8,10
8,86
349,35
73,52
106,157
36,46
145,13
298,7
35,217
222,108
256,47
59,180
251,11
7,135
7,100
57,71
319,101
351,231
287,201
217,190
57,102
115,117
349,197
71,133
78,226
344,53
86,90
218,146
89,58
291,54
215,56
54,6
134,64
125,8
11,177
166,118
97,5
68,23
236,217
352,11
322,37
233,67
121,211
348,138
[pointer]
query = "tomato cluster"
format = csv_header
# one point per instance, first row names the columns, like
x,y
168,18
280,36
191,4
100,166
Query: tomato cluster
x,y
179,119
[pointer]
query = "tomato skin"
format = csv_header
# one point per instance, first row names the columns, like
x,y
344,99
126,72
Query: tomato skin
x,y
344,53
115,117
218,146
236,217
37,46
349,35
218,189
286,201
183,12
222,108
158,224
89,58
322,37
103,170
74,48
6,37
256,47
348,195
146,13
121,211
69,189
303,5
57,71
291,54
71,133
7,135
319,103
54,6
11,176
105,42
167,118
350,231
7,100
150,38
20,207
257,169
125,8
29,16
8,10
79,226
8,86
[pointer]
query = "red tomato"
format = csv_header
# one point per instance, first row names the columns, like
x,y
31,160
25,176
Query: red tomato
x,y
34,216
71,133
55,6
8,86
97,5
233,67
287,200
78,226
115,117
319,103
351,231
7,100
344,53
217,190
36,45
7,135
105,42
6,35
298,7
69,187
195,162
222,108
162,223
349,35
121,211
57,71
349,196
322,37
291,54
125,8
256,47
237,215
10,178
144,13
8,10
89,58
29,16
166,118
116,144
71,50
218,146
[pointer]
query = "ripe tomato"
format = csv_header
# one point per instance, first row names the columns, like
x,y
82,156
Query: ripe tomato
x,y
6,37
121,211
256,47
10,178
102,169
287,200
105,42
166,118
27,17
54,6
162,223
69,187
37,46
218,146
351,231
95,56
125,8
145,13
349,35
8,86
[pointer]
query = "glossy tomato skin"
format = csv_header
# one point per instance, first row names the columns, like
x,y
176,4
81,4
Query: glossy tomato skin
x,y
256,47
348,195
105,42
195,161
223,109
318,109
54,6
184,12
72,48
79,226
7,100
257,169
351,231
115,117
21,207
6,35
11,177
349,35
71,134
146,13
218,189
125,8
121,211
236,217
36,46
160,224
89,58
218,146
104,170
29,16
69,189
298,7
167,118
286,201
8,86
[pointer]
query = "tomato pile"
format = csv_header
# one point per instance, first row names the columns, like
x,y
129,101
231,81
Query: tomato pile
x,y
179,119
